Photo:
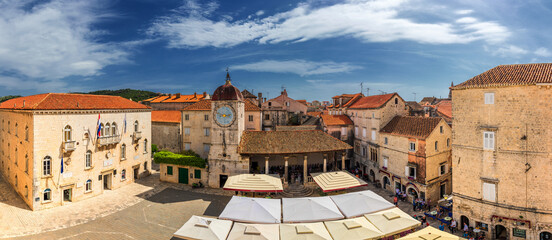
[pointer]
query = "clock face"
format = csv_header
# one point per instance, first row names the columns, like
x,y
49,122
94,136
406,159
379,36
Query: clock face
x,y
224,116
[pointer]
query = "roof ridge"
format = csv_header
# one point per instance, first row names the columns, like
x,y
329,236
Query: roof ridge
x,y
38,103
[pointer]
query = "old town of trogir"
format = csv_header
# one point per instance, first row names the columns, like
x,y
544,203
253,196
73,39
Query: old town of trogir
x,y
275,120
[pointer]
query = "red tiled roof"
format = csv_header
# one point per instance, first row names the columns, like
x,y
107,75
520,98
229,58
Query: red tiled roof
x,y
247,94
445,107
289,142
70,101
166,116
508,75
375,101
304,102
416,127
205,105
315,114
175,98
336,120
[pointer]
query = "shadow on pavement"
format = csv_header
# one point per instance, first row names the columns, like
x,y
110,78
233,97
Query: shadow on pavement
x,y
8,195
171,195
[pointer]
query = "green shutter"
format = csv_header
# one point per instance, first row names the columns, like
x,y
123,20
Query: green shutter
x,y
169,170
197,173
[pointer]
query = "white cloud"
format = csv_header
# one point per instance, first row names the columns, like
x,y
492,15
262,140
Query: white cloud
x,y
368,21
297,66
463,12
54,39
543,52
508,51
18,84
259,13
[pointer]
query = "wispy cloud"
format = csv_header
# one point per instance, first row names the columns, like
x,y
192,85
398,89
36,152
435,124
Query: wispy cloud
x,y
368,21
508,51
297,66
54,39
19,84
463,11
543,52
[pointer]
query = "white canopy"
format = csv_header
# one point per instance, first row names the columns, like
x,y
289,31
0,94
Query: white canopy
x,y
204,228
392,221
430,233
314,209
354,228
333,181
243,231
254,183
359,203
304,231
253,210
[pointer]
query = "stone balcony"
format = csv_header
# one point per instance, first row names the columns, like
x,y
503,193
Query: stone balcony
x,y
107,140
136,136
69,145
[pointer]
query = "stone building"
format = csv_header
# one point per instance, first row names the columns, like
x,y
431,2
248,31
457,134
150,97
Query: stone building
x,y
340,103
280,110
369,115
51,152
340,127
501,151
174,102
415,109
165,130
416,157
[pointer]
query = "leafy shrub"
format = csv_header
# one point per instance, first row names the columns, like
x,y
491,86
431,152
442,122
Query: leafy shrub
x,y
179,159
154,148
189,153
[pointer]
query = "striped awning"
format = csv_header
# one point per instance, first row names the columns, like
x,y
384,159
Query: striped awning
x,y
254,183
334,181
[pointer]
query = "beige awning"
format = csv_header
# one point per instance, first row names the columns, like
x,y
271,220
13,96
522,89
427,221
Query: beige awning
x,y
334,181
353,228
304,231
204,228
430,233
243,231
392,221
254,183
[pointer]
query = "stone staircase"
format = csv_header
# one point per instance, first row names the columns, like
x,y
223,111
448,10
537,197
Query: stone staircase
x,y
296,190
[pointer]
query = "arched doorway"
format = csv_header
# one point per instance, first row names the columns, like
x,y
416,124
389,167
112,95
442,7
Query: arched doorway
x,y
545,236
501,233
372,175
464,219
386,182
412,192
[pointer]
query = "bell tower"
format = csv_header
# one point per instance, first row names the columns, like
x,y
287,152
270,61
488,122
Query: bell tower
x,y
227,112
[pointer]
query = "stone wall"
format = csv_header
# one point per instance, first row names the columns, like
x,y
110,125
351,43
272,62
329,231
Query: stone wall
x,y
197,125
255,124
174,177
166,136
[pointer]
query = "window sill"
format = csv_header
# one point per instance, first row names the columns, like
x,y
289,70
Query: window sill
x,y
87,192
123,159
88,168
47,201
48,176
122,180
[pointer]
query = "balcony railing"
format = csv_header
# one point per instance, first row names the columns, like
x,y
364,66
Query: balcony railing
x,y
69,145
137,135
109,140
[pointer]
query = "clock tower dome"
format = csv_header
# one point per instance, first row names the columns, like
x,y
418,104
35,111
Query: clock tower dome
x,y
227,112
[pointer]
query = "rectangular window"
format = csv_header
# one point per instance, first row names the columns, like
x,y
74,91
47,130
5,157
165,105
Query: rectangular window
x,y
442,169
197,174
412,147
489,192
489,98
364,132
373,135
206,117
343,131
169,170
186,117
441,129
385,161
488,140
267,116
187,131
251,118
385,141
356,131
187,146
410,172
206,131
374,154
436,146
364,151
206,147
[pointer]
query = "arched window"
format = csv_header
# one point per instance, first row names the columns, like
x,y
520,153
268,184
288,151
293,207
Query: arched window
x,y
123,174
136,126
47,195
67,134
47,166
26,191
88,159
16,180
8,126
448,142
396,101
114,129
145,146
123,152
16,158
15,130
88,185
102,130
436,148
107,129
26,133
26,163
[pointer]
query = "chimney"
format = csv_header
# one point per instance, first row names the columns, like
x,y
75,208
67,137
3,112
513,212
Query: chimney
x,y
170,95
260,97
23,103
204,94
178,95
195,95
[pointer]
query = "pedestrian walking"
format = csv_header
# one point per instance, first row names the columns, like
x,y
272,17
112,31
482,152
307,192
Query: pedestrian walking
x,y
413,204
396,201
452,226
466,227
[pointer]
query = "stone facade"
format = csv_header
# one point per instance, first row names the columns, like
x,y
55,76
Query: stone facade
x,y
279,110
29,137
166,135
196,131
171,173
503,184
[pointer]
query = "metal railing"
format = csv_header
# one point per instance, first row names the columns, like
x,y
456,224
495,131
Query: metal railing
x,y
109,140
137,135
69,145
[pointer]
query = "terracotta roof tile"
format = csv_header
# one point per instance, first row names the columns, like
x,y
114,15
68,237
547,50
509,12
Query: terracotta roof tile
x,y
375,101
247,94
304,102
205,105
289,142
508,75
176,98
70,101
416,127
336,120
415,106
315,114
445,107
166,116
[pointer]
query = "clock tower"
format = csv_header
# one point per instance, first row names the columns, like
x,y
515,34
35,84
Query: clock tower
x,y
227,112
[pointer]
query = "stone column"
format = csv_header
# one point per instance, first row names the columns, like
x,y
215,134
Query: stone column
x,y
286,168
343,161
305,169
325,162
266,165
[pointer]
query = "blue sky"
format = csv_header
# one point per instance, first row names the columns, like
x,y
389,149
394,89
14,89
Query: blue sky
x,y
315,49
